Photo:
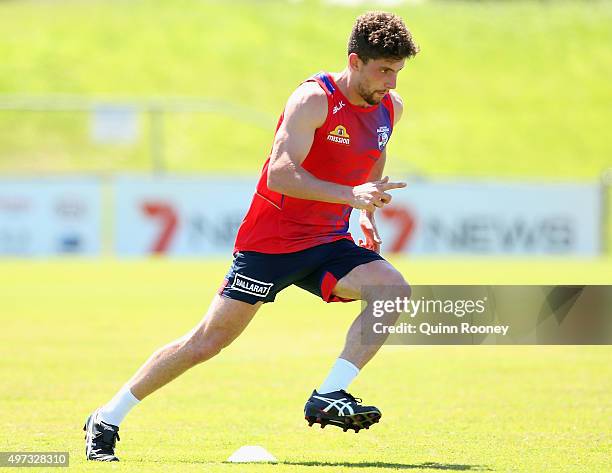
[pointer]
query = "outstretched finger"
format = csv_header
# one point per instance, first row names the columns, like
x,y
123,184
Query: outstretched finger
x,y
376,236
393,185
384,180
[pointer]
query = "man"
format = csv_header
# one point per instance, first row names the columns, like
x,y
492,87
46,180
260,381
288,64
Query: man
x,y
328,158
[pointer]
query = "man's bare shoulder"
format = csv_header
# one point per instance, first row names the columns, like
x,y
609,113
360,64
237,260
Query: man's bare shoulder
x,y
398,105
309,103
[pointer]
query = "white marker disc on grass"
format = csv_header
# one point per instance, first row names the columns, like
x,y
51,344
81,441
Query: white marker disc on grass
x,y
251,453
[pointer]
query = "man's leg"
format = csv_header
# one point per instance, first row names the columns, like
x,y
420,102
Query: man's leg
x,y
377,280
224,321
367,282
331,404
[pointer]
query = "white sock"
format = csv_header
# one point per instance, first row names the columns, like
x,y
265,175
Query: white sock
x,y
340,376
118,407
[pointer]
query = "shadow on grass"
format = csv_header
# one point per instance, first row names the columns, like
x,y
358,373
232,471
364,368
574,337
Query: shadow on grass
x,y
395,466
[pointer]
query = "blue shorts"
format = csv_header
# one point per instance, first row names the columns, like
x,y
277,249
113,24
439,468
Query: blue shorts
x,y
258,277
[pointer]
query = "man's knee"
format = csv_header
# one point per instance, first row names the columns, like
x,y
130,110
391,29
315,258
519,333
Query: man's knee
x,y
386,283
203,345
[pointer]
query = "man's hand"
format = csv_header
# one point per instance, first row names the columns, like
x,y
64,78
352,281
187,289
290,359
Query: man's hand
x,y
371,195
368,227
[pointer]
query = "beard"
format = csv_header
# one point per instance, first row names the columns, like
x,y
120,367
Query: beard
x,y
370,96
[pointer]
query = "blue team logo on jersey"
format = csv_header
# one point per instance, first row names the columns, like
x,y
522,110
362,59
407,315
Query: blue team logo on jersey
x,y
383,136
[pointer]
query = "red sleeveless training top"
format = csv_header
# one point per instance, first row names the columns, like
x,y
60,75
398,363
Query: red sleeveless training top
x,y
344,150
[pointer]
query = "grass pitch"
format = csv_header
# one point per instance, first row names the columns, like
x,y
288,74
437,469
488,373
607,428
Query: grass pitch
x,y
507,89
74,331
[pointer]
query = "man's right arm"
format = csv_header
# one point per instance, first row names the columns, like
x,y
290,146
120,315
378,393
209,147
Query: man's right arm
x,y
306,110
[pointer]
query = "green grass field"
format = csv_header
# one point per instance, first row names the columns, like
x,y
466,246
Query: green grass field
x,y
514,90
509,89
74,331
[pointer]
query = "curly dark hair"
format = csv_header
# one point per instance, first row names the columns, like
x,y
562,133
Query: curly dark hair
x,y
378,34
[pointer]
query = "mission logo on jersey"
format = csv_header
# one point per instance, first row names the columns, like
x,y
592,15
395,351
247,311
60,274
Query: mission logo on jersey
x,y
339,135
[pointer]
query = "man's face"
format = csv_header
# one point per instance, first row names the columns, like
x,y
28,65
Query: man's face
x,y
377,77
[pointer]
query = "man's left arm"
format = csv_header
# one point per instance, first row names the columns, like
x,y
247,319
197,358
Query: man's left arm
x,y
366,217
